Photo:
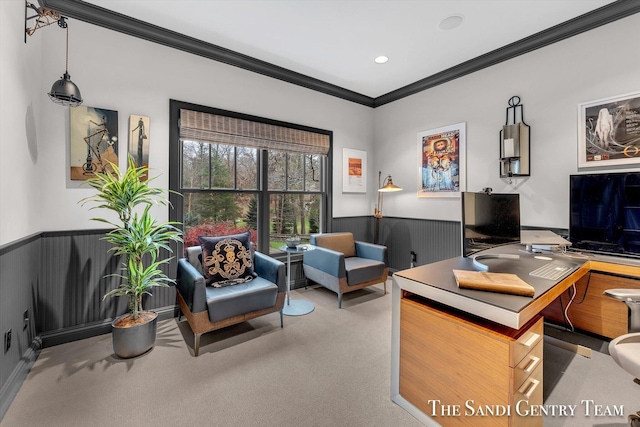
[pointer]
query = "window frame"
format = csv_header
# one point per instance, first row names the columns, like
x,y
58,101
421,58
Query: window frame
x,y
176,210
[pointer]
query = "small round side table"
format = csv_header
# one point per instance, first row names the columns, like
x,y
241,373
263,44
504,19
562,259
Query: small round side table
x,y
296,307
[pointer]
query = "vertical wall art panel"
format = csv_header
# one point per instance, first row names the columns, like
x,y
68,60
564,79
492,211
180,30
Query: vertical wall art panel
x,y
139,140
94,141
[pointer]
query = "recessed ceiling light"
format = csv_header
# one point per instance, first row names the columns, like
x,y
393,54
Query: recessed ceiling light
x,y
451,22
381,59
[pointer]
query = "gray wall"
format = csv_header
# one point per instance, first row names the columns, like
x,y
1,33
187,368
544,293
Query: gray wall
x,y
19,278
76,268
430,240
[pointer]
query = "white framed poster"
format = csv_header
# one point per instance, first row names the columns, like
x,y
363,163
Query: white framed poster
x,y
609,131
441,162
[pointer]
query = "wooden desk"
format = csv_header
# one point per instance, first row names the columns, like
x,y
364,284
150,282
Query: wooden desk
x,y
457,353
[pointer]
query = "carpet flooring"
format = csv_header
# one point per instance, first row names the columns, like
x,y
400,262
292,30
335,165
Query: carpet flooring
x,y
328,368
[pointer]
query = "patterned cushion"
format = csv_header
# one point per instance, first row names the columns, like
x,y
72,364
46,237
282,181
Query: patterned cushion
x,y
226,260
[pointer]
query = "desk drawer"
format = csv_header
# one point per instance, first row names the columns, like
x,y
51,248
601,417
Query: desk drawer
x,y
525,343
527,395
527,365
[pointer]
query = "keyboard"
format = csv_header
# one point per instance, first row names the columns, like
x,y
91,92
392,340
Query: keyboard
x,y
553,271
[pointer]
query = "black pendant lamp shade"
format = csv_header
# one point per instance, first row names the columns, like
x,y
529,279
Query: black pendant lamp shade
x,y
65,92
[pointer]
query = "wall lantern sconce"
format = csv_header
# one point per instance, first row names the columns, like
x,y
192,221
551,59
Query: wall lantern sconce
x,y
63,91
514,142
386,186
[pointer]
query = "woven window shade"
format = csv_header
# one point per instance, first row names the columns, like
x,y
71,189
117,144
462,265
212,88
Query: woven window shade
x,y
212,128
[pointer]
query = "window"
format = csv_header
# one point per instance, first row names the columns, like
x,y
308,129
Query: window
x,y
237,172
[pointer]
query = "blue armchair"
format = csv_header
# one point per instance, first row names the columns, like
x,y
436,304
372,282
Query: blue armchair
x,y
340,263
208,308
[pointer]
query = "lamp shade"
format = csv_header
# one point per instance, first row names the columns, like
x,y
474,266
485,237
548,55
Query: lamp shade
x,y
65,92
389,186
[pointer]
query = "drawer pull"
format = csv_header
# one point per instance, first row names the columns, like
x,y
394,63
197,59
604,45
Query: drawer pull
x,y
532,340
533,363
530,387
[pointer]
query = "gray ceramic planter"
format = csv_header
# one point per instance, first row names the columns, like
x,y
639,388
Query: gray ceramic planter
x,y
134,340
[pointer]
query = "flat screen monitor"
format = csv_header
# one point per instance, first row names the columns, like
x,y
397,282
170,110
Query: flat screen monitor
x,y
605,213
489,220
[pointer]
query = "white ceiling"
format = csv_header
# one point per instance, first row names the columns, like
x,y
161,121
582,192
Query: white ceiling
x,y
337,41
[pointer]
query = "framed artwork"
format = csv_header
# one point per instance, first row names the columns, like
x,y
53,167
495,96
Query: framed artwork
x,y
609,131
139,141
354,171
93,141
441,161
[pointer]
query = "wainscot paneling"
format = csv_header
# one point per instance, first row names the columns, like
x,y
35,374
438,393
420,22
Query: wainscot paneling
x,y
19,263
77,270
430,240
360,226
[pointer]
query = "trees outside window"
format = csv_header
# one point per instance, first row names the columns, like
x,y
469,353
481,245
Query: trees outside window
x,y
220,187
230,172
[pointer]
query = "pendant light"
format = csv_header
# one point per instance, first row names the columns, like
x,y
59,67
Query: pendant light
x,y
64,91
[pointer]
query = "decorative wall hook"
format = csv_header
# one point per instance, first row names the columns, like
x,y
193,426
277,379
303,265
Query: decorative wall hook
x,y
43,17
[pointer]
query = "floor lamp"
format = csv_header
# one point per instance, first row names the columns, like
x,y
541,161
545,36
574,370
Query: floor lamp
x,y
386,186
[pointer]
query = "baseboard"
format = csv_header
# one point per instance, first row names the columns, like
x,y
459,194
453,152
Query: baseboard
x,y
19,374
80,332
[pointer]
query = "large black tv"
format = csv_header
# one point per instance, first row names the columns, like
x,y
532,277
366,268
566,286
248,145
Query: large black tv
x,y
489,220
605,213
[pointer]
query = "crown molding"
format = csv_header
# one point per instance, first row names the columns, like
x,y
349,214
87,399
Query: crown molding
x,y
596,18
105,18
134,27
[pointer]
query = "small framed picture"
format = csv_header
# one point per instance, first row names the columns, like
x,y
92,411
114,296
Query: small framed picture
x,y
354,171
609,131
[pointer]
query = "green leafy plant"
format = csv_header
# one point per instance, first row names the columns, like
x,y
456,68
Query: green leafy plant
x,y
137,236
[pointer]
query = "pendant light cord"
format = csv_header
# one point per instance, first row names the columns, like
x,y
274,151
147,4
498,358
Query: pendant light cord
x,y
66,64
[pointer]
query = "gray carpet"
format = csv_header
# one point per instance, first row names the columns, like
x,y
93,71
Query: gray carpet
x,y
328,368
571,379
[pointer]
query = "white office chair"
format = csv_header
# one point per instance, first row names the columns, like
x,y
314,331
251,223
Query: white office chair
x,y
625,350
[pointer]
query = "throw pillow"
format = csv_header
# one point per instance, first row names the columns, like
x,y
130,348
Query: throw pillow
x,y
227,260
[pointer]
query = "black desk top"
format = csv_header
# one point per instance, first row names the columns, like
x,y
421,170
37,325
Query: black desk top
x,y
437,282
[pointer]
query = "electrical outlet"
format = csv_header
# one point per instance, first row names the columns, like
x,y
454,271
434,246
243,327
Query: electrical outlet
x,y
7,340
25,319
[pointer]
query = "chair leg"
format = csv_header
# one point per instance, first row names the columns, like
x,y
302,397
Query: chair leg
x,y
339,300
281,319
196,344
385,287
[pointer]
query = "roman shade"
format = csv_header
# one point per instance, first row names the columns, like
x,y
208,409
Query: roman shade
x,y
217,129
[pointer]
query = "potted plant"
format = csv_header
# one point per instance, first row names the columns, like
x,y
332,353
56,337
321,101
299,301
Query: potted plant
x,y
139,238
